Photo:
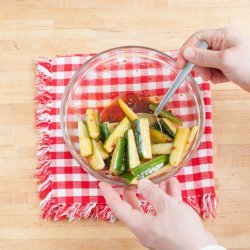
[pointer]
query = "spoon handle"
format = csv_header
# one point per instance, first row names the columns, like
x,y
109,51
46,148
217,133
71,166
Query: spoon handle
x,y
179,79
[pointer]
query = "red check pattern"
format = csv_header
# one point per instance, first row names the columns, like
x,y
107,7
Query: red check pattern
x,y
66,190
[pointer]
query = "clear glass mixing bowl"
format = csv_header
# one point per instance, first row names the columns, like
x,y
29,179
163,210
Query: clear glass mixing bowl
x,y
132,62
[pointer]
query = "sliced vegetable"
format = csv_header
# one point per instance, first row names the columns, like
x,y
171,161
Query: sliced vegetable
x,y
179,143
96,160
168,127
124,160
151,118
112,126
191,137
157,125
104,154
134,141
150,167
105,129
127,110
93,123
84,140
117,166
142,138
161,148
157,136
133,159
119,131
165,169
165,114
129,178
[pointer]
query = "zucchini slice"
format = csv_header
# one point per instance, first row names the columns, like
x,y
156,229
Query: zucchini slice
x,y
93,123
105,129
84,140
142,138
112,126
133,159
151,118
179,143
168,127
150,167
104,154
161,148
129,178
165,169
127,110
96,160
165,114
191,137
117,166
119,131
157,136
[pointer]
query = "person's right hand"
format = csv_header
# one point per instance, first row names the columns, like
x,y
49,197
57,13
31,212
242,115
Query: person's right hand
x,y
227,59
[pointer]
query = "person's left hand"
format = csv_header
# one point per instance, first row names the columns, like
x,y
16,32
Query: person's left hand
x,y
172,225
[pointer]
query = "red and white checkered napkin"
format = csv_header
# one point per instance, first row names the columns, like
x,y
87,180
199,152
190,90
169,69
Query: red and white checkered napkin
x,y
66,190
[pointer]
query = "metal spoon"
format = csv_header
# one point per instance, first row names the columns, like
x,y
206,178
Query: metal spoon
x,y
179,80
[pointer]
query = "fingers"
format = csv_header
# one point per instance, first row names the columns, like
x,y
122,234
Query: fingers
x,y
130,197
205,73
214,75
123,211
191,42
203,57
164,186
174,189
213,37
217,76
153,194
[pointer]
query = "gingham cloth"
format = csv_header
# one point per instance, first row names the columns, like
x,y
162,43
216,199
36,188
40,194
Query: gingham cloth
x,y
66,190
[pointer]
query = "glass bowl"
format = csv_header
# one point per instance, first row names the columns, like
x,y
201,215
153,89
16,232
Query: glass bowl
x,y
142,71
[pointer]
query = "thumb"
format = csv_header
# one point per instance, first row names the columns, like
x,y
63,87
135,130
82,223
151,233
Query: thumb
x,y
203,57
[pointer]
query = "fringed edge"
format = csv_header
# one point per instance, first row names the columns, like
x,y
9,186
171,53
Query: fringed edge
x,y
42,116
205,205
77,211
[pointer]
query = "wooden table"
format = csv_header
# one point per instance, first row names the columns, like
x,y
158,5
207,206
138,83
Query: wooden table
x,y
29,29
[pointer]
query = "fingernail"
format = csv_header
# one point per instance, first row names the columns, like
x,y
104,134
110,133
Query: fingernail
x,y
189,53
143,183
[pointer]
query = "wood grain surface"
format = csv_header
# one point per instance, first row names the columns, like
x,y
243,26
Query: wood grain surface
x,y
29,29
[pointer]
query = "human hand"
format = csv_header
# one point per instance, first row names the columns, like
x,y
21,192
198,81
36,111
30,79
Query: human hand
x,y
173,224
227,59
